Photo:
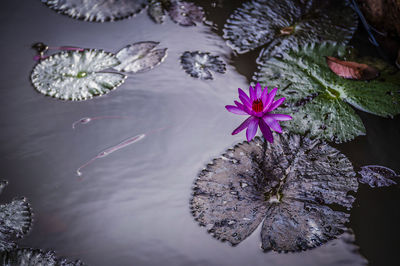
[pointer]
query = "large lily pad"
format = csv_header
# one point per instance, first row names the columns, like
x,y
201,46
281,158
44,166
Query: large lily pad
x,y
282,24
140,57
15,220
200,65
97,10
31,257
318,99
76,75
299,187
378,176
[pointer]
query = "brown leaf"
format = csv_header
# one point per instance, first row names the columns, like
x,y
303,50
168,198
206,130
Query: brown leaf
x,y
351,70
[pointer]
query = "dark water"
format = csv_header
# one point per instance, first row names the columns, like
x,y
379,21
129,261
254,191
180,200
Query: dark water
x,y
131,207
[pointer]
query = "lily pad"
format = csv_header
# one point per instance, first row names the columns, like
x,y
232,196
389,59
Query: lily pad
x,y
30,257
15,221
319,100
186,13
199,65
279,25
377,176
76,75
140,57
97,10
299,187
156,11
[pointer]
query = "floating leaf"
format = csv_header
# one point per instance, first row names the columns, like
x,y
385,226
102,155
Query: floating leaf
x,y
351,70
186,13
156,11
31,257
318,99
76,75
140,57
283,24
97,10
296,185
377,176
199,65
15,220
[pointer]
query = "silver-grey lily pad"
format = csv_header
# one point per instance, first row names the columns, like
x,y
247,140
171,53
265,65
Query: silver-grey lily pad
x,y
156,11
15,221
35,257
186,13
377,176
76,76
299,187
282,24
199,65
97,10
140,57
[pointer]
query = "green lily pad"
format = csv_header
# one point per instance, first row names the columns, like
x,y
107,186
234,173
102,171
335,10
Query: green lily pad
x,y
319,100
279,25
97,10
31,257
76,75
299,187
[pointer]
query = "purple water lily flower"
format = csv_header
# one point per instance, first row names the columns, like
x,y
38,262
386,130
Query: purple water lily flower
x,y
258,106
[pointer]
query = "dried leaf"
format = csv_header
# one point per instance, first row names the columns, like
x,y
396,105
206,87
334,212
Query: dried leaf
x,y
377,176
351,70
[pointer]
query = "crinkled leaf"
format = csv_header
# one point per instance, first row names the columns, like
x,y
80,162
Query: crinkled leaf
x,y
283,24
31,257
377,176
15,220
199,65
293,184
156,11
186,13
351,70
76,75
140,57
97,10
318,99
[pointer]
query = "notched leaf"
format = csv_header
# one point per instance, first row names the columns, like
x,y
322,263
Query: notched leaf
x,y
200,65
351,70
292,185
140,57
377,176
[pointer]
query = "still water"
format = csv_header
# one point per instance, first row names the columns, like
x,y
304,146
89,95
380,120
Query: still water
x,y
132,206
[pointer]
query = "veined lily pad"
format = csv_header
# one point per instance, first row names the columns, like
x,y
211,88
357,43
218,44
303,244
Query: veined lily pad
x,y
295,185
200,65
76,75
283,24
97,10
140,57
15,220
30,257
377,176
318,99
186,13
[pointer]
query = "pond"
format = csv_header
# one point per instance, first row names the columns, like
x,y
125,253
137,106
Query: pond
x,y
143,145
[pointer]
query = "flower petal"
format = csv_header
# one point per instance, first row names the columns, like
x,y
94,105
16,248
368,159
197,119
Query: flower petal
x,y
242,126
279,117
276,104
258,90
272,123
270,99
244,98
264,95
252,93
235,110
266,131
252,128
243,107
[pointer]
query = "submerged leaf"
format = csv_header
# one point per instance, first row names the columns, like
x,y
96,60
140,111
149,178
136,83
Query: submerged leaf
x,y
199,65
76,75
15,220
283,24
186,13
318,99
377,176
30,257
351,70
140,57
293,184
97,10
